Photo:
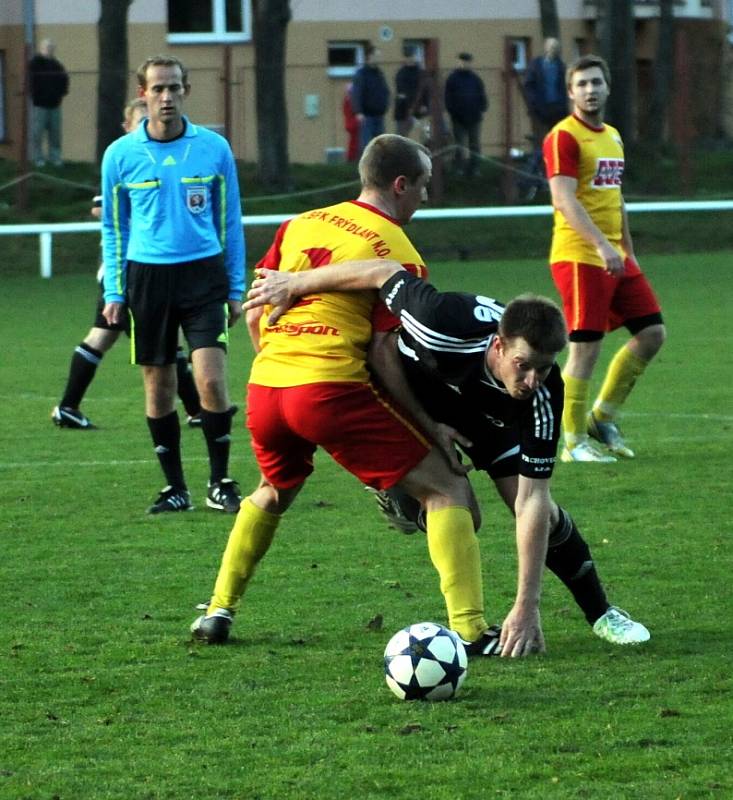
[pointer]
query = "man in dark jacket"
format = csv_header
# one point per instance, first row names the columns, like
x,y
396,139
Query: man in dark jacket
x,y
49,84
412,93
466,103
370,97
545,90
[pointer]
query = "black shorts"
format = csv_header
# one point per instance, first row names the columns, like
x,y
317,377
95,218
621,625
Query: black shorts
x,y
101,322
161,298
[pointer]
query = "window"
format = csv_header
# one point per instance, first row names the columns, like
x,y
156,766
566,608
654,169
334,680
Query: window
x,y
200,21
344,58
518,53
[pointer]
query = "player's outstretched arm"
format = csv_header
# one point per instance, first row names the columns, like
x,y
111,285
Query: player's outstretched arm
x,y
521,630
281,289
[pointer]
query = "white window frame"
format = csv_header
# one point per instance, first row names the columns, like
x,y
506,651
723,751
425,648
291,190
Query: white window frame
x,y
520,47
346,72
219,34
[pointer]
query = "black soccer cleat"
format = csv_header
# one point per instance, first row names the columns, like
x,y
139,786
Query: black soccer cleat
x,y
402,512
66,417
171,499
224,495
486,645
213,628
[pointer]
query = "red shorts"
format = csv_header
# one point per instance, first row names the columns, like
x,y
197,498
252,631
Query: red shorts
x,y
593,300
362,430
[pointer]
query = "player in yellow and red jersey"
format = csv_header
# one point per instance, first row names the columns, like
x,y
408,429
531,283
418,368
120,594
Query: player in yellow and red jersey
x,y
309,387
594,267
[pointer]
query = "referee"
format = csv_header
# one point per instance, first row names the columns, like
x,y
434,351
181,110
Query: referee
x,y
174,252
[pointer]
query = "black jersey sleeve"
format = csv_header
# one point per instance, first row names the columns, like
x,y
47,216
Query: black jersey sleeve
x,y
423,310
539,428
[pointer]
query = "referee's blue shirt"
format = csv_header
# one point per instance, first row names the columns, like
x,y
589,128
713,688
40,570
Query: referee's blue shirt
x,y
167,202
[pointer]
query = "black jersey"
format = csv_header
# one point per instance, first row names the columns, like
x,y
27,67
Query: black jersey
x,y
443,340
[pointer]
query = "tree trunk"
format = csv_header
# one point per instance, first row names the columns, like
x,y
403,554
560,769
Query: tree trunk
x,y
549,19
113,69
617,40
270,22
663,74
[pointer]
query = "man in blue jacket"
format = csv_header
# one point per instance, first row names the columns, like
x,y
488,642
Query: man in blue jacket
x,y
545,89
173,250
370,97
466,103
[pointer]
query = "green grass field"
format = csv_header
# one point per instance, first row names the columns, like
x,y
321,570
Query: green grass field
x,y
103,694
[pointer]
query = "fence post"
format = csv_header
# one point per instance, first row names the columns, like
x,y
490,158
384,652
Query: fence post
x,y
45,241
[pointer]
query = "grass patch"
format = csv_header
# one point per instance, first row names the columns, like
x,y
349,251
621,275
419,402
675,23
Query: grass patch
x,y
105,696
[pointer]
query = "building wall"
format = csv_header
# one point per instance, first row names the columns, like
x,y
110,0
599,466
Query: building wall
x,y
72,26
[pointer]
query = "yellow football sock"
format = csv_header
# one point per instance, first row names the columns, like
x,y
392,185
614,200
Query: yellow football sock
x,y
574,423
251,537
624,369
454,551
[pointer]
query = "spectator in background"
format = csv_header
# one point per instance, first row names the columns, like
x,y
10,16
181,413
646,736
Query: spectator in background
x,y
351,125
49,84
466,103
370,97
545,91
412,93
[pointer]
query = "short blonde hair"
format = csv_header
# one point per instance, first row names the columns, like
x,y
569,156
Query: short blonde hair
x,y
388,156
159,61
134,104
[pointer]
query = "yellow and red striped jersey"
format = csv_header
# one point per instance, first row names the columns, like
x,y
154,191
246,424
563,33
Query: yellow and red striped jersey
x,y
595,158
325,337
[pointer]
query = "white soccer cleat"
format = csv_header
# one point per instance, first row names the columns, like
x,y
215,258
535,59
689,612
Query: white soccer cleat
x,y
617,627
586,451
608,433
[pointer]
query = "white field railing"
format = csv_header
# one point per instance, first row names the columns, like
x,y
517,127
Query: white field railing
x,y
46,231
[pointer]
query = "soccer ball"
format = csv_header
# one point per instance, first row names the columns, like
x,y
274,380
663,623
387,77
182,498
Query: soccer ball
x,y
425,661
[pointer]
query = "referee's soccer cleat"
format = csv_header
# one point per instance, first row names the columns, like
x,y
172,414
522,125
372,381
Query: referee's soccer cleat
x,y
608,433
171,499
586,451
66,417
486,645
402,512
617,627
213,628
224,496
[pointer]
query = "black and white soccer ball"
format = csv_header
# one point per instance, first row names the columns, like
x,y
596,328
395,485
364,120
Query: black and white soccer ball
x,y
425,661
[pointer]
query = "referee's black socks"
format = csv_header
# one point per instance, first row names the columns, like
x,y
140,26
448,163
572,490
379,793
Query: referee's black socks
x,y
217,429
166,434
569,557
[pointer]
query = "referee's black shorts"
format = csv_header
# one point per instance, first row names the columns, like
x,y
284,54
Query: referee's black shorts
x,y
161,298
